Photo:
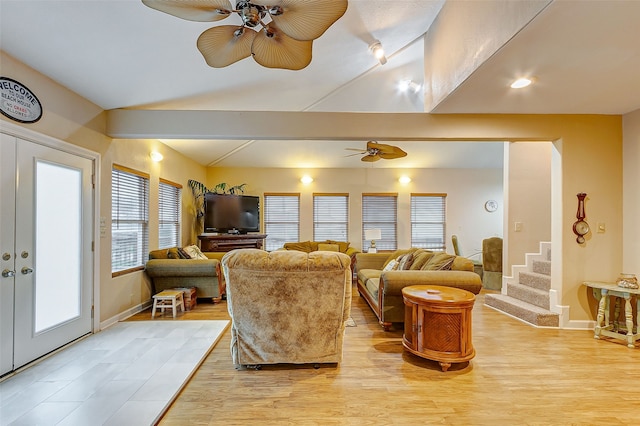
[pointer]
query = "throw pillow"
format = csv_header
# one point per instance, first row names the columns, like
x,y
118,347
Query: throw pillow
x,y
391,265
172,253
396,254
420,258
304,246
343,245
328,247
183,254
404,261
439,262
194,252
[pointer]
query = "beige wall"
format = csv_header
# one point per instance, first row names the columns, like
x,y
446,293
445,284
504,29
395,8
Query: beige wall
x,y
631,205
466,189
528,188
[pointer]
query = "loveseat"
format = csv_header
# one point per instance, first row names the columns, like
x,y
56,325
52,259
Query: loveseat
x,y
327,245
382,276
287,307
167,269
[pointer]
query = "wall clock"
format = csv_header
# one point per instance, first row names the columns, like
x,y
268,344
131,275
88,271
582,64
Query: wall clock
x,y
581,227
491,205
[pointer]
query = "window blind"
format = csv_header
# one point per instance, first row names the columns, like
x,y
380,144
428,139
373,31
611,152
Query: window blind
x,y
330,217
169,214
428,221
129,220
281,219
380,211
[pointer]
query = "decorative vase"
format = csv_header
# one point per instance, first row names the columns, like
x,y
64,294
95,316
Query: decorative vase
x,y
627,281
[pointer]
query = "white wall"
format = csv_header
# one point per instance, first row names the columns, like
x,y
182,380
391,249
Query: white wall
x,y
631,193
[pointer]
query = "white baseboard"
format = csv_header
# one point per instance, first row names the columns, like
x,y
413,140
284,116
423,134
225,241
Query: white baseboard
x,y
125,314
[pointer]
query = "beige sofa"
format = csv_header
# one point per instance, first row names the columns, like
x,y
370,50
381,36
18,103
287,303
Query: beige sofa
x,y
287,307
167,272
382,289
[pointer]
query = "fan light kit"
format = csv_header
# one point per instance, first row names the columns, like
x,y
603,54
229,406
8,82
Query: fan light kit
x,y
277,33
376,151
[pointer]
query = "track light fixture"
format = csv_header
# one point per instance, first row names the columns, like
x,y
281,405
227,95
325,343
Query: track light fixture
x,y
376,50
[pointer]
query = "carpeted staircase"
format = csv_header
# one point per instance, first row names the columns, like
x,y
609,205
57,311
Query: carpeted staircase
x,y
525,295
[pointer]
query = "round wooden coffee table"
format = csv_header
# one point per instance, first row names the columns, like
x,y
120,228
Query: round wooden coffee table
x,y
437,323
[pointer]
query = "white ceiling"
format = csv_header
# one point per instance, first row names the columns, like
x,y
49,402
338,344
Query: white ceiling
x,y
584,54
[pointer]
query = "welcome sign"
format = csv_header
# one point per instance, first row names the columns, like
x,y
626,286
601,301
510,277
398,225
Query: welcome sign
x,y
18,103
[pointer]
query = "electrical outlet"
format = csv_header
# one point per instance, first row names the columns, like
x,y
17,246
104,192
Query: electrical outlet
x,y
517,227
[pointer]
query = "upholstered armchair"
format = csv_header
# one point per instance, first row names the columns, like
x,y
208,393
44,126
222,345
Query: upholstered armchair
x,y
287,307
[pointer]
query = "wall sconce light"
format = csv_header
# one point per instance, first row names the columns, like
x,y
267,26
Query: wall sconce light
x,y
404,180
156,156
522,82
306,179
372,235
376,50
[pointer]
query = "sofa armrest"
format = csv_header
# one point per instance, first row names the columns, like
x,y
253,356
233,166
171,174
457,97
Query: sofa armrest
x,y
392,282
181,267
371,260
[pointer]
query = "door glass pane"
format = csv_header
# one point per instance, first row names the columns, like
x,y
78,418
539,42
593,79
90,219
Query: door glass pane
x,y
58,245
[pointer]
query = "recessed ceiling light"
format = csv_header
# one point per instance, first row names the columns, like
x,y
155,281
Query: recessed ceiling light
x,y
521,82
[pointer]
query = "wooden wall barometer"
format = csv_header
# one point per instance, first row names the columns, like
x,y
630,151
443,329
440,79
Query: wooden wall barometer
x,y
581,227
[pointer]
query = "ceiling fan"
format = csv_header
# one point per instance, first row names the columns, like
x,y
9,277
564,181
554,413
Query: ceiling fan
x,y
375,151
277,33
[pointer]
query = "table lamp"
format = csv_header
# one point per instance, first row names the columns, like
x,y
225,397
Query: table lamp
x,y
372,235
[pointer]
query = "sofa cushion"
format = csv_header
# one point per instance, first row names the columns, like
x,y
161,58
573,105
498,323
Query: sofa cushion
x,y
439,262
373,287
194,252
420,258
183,254
158,254
304,246
343,245
328,247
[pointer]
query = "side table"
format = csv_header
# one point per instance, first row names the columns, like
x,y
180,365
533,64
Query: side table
x,y
602,291
437,323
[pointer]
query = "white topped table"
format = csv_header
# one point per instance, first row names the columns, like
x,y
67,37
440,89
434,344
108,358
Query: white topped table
x,y
602,291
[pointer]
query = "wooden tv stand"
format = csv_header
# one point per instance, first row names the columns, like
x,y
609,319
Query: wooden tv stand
x,y
228,242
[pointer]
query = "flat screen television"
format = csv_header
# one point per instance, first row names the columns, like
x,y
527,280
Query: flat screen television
x,y
232,214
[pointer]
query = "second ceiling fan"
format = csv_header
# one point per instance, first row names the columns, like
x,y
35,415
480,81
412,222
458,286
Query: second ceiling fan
x,y
376,151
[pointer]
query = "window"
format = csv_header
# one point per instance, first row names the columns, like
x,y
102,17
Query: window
x,y
129,220
281,219
331,217
428,226
379,211
169,214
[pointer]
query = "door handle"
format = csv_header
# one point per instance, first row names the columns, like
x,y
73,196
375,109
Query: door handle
x,y
26,270
7,273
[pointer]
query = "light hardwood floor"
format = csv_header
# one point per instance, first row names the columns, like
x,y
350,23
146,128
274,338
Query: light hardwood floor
x,y
520,376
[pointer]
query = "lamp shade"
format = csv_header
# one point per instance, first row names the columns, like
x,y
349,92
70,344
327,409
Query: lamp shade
x,y
372,234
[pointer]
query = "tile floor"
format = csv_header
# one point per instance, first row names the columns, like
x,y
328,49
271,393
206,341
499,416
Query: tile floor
x,y
125,375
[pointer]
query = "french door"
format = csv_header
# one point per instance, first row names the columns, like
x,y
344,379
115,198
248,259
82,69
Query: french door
x,y
46,256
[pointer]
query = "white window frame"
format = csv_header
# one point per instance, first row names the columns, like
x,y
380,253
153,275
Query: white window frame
x,y
380,211
169,213
330,216
429,221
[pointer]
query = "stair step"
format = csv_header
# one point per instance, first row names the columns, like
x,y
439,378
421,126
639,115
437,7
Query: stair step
x,y
528,294
522,310
535,280
542,267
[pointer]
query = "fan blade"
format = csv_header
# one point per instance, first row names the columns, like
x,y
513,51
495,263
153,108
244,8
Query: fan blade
x,y
225,44
392,155
306,19
370,158
193,10
272,48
